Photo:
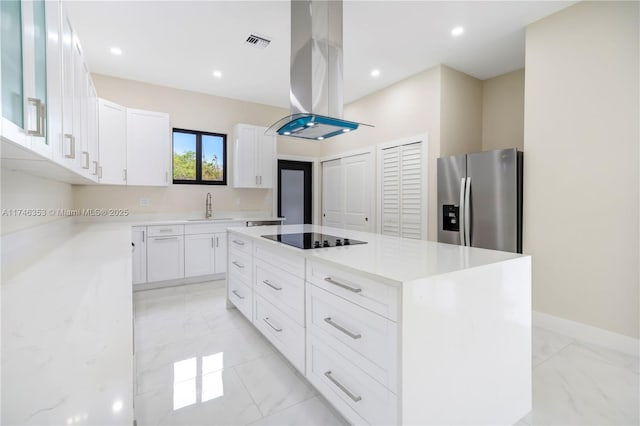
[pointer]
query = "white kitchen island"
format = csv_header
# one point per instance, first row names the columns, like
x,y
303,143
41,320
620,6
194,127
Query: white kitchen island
x,y
394,331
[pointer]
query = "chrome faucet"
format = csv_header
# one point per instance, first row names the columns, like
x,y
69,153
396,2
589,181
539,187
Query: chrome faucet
x,y
207,207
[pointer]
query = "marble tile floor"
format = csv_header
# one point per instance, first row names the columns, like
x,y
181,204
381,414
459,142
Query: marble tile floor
x,y
198,363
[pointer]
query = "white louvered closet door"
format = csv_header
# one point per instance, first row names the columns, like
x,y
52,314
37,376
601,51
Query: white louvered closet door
x,y
390,219
402,192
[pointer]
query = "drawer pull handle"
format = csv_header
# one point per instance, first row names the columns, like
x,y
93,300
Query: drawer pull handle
x,y
166,230
271,325
267,282
238,242
239,265
165,238
354,336
237,295
339,284
340,386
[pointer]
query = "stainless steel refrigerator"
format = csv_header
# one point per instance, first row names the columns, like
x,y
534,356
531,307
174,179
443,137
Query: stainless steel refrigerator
x,y
480,200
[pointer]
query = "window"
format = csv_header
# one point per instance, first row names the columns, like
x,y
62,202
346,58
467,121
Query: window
x,y
199,157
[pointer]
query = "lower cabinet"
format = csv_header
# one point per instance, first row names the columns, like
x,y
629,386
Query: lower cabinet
x,y
199,255
336,327
165,258
174,252
139,247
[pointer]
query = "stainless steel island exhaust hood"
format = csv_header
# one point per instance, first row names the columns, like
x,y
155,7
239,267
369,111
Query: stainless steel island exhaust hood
x,y
316,73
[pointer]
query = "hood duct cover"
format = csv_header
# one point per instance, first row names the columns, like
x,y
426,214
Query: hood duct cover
x,y
316,72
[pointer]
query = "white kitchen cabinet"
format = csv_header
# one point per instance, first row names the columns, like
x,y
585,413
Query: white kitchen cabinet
x,y
139,247
254,157
220,257
148,148
199,255
112,136
165,258
92,128
24,75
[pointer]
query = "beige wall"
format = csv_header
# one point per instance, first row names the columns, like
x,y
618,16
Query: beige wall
x,y
404,109
503,111
581,174
24,191
460,113
196,111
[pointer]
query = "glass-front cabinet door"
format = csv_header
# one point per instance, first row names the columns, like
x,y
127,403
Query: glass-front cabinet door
x,y
37,101
24,74
12,71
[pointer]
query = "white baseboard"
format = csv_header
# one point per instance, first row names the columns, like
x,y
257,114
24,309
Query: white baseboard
x,y
587,333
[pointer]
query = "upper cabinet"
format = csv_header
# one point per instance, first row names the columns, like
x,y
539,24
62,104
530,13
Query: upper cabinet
x,y
24,74
134,146
254,157
47,101
112,136
148,148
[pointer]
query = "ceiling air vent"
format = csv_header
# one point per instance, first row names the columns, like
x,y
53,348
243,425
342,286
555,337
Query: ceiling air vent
x,y
257,41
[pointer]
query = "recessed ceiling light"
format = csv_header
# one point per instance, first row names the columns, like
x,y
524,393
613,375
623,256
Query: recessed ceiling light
x,y
320,138
375,73
217,74
457,31
116,51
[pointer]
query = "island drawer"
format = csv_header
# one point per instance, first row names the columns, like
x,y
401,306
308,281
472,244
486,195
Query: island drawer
x,y
240,295
373,295
284,259
287,336
364,337
284,290
354,393
165,230
240,243
240,263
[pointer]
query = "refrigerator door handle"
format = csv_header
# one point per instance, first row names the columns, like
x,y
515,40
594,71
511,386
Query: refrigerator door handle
x,y
467,212
461,211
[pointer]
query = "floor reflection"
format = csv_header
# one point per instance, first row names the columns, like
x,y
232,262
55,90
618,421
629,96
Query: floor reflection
x,y
193,374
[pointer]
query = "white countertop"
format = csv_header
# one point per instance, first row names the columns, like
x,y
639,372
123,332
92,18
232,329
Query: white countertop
x,y
67,338
391,259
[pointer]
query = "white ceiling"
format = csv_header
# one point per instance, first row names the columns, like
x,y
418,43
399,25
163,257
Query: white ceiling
x,y
180,43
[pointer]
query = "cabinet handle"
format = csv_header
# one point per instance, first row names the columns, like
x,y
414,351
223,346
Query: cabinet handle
x,y
239,265
260,180
165,238
86,160
95,168
256,180
340,386
100,172
354,336
238,242
271,325
212,244
345,286
165,230
267,282
125,174
143,236
237,295
39,117
72,146
217,242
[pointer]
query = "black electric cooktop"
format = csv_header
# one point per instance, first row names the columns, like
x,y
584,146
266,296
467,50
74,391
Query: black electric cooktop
x,y
311,240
